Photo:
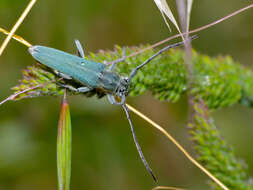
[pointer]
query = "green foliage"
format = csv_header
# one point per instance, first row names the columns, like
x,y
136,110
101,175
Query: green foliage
x,y
220,82
215,154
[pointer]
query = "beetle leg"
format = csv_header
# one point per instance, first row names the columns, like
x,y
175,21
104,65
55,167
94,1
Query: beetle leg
x,y
113,64
123,100
71,88
79,48
113,101
62,75
83,89
112,67
111,98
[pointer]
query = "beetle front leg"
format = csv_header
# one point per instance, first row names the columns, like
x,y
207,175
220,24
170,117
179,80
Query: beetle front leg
x,y
113,101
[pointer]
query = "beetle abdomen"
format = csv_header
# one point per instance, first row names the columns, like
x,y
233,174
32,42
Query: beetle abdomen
x,y
82,70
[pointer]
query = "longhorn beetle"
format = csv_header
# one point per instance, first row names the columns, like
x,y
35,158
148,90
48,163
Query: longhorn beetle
x,y
94,76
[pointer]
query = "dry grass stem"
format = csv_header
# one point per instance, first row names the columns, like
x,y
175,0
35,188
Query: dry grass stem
x,y
15,27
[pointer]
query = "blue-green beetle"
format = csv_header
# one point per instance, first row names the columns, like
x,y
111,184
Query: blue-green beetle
x,y
93,75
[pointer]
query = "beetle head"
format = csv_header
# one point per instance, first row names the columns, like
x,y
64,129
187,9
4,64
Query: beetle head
x,y
122,87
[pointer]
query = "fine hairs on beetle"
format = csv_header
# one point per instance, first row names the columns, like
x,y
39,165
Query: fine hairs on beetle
x,y
94,76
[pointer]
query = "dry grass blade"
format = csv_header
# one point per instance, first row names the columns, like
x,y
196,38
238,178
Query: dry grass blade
x,y
165,10
15,27
174,141
188,14
168,188
16,37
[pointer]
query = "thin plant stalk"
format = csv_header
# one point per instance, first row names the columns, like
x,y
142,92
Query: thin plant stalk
x,y
13,96
184,18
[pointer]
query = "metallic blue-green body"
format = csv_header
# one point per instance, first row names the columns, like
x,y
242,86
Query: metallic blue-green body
x,y
91,74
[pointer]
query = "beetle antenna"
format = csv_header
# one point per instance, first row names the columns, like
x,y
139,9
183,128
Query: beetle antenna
x,y
134,71
137,144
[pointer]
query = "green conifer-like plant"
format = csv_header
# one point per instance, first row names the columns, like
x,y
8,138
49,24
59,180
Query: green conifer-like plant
x,y
220,81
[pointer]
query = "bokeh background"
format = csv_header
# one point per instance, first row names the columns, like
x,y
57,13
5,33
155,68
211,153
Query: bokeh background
x,y
104,155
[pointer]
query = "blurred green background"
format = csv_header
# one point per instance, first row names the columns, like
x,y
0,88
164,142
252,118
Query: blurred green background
x,y
104,155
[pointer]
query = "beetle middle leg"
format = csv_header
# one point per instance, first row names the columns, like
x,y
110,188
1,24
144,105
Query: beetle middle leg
x,y
62,75
73,89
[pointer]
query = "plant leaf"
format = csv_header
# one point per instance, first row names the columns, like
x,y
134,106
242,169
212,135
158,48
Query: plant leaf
x,y
64,147
165,10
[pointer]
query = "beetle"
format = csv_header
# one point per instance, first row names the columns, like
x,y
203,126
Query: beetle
x,y
94,76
